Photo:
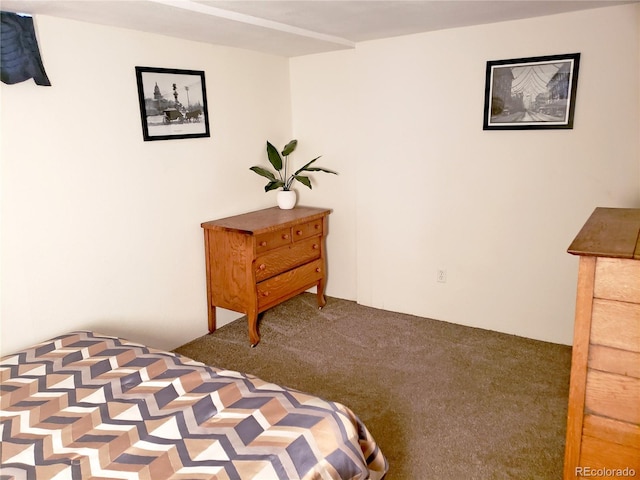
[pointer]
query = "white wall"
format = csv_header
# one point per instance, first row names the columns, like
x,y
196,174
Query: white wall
x,y
100,229
323,88
496,209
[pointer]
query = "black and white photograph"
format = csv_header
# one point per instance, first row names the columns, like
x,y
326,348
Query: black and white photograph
x,y
531,93
173,103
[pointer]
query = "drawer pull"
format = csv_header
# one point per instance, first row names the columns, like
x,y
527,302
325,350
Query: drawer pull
x,y
318,269
262,266
316,226
298,232
263,243
285,236
316,246
265,294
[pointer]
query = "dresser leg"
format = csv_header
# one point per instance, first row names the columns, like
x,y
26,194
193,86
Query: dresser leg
x,y
212,318
320,295
254,334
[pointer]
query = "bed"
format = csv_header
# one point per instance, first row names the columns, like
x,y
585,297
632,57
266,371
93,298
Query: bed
x,y
86,405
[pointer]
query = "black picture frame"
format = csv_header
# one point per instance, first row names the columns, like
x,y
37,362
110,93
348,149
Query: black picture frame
x,y
531,93
173,103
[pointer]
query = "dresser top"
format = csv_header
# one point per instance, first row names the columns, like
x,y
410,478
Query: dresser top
x,y
610,232
266,220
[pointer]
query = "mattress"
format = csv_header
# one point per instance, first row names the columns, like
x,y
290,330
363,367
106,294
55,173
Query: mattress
x,y
85,405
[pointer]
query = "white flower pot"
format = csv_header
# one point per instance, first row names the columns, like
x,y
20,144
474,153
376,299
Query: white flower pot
x,y
286,199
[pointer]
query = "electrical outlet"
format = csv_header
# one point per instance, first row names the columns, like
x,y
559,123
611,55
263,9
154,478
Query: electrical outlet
x,y
441,275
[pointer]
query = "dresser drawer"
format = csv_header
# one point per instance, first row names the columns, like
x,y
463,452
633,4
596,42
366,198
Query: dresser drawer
x,y
285,258
613,396
305,230
599,454
614,360
270,240
293,281
610,319
617,279
610,430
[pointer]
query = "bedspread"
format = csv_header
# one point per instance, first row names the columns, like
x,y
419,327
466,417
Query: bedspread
x,y
85,405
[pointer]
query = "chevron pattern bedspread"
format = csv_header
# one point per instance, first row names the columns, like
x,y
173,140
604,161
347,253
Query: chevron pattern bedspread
x,y
86,405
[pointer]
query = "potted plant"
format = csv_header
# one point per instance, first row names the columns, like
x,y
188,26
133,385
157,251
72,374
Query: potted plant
x,y
282,179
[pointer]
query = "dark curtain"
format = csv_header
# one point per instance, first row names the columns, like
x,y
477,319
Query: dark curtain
x,y
19,54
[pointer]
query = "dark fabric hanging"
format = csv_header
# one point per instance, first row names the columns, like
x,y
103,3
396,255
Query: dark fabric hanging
x,y
19,54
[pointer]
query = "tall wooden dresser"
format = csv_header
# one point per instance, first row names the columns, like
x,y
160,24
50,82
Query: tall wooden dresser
x,y
603,421
259,259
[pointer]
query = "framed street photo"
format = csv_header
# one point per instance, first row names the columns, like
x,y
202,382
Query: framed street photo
x,y
531,93
173,103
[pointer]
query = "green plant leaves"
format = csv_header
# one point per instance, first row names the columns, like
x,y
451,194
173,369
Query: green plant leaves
x,y
286,180
264,172
289,147
274,156
320,169
274,185
303,180
307,168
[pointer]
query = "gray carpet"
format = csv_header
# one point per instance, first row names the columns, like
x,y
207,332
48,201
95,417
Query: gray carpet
x,y
443,401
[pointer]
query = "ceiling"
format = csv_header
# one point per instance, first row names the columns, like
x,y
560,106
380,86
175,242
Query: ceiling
x,y
295,27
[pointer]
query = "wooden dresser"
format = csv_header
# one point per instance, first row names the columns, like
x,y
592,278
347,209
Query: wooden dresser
x,y
260,259
603,421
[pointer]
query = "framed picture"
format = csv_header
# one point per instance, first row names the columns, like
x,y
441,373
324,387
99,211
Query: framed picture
x,y
531,93
173,103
